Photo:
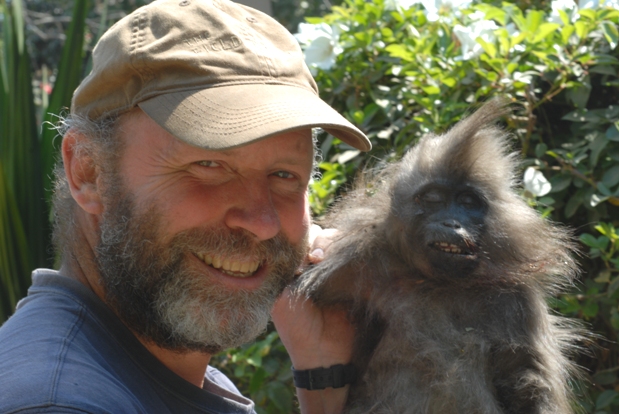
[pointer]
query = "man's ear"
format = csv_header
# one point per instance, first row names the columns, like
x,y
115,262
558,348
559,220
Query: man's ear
x,y
82,173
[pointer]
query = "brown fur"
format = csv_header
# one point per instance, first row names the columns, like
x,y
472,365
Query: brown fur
x,y
429,342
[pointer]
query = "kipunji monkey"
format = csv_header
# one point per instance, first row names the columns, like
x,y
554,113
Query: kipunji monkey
x,y
446,271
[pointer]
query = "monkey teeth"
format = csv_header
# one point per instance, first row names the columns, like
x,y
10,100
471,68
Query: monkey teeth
x,y
230,267
450,248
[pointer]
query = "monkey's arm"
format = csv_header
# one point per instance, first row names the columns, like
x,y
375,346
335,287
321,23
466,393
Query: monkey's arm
x,y
521,384
529,369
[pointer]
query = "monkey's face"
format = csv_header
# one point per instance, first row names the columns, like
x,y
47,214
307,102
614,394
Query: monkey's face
x,y
443,228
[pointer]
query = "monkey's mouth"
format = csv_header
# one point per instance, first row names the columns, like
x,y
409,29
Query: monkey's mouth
x,y
454,249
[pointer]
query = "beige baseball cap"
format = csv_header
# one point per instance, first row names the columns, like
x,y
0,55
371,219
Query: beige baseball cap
x,y
213,73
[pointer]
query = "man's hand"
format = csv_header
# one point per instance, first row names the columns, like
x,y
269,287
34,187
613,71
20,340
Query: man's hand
x,y
314,337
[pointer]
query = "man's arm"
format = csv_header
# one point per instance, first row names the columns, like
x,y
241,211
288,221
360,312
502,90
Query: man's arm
x,y
315,338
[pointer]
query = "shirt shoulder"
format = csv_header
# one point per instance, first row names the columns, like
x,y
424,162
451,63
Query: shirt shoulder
x,y
64,348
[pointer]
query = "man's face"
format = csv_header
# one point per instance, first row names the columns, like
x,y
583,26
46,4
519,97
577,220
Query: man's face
x,y
195,245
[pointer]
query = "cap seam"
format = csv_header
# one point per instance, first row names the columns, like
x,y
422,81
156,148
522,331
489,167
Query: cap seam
x,y
249,122
132,105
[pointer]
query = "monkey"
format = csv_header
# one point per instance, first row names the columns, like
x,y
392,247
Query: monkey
x,y
446,270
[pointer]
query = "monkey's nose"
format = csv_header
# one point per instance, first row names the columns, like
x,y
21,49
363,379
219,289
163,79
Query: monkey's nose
x,y
452,224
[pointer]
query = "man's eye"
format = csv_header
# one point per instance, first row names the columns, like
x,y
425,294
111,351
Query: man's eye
x,y
210,164
283,174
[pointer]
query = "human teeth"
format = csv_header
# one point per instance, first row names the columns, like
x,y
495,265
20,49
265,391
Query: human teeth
x,y
231,267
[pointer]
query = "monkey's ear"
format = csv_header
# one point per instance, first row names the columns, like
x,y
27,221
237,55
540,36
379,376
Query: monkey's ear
x,y
82,173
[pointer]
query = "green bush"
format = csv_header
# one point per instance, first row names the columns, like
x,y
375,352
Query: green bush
x,y
401,70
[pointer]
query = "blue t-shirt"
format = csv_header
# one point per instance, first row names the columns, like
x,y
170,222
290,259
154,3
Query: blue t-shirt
x,y
65,351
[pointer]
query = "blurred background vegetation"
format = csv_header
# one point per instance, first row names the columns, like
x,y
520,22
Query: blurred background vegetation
x,y
399,69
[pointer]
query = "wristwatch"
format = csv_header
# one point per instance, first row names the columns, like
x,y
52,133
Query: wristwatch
x,y
336,376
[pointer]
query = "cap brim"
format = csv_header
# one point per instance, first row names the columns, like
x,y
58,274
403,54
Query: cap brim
x,y
228,116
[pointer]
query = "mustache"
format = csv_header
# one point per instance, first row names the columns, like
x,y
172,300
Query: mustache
x,y
234,244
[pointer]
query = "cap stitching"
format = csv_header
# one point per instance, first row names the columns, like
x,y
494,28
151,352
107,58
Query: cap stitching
x,y
231,113
138,39
233,128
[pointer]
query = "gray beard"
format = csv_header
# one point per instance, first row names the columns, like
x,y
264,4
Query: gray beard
x,y
152,288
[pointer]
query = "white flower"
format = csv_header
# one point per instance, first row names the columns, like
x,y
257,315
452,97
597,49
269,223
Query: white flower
x,y
433,7
320,43
399,4
535,182
588,4
613,4
468,37
568,6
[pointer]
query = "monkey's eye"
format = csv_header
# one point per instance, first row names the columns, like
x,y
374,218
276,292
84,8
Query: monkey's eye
x,y
470,200
431,197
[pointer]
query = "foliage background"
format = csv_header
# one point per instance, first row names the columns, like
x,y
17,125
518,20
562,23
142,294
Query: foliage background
x,y
399,70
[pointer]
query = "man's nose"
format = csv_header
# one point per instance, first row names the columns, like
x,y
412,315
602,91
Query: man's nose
x,y
254,211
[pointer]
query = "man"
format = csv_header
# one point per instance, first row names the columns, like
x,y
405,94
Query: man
x,y
181,215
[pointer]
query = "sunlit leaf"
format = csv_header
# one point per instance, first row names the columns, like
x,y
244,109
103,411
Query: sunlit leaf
x,y
611,33
543,31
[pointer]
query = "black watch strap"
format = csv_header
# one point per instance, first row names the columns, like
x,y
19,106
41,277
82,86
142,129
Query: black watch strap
x,y
335,376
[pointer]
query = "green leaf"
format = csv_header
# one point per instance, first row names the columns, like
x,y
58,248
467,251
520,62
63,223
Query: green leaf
x,y
605,378
431,90
516,40
588,239
566,32
450,82
582,29
19,146
489,48
590,309
540,150
611,176
595,242
614,285
579,93
604,70
257,380
534,18
14,261
582,115
400,51
606,399
280,395
565,19
573,204
610,33
560,182
68,77
587,13
543,31
596,147
612,133
603,277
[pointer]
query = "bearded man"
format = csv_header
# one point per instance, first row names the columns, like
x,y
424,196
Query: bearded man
x,y
181,215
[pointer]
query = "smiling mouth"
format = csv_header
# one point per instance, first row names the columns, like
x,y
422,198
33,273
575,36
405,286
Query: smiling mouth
x,y
452,249
230,267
